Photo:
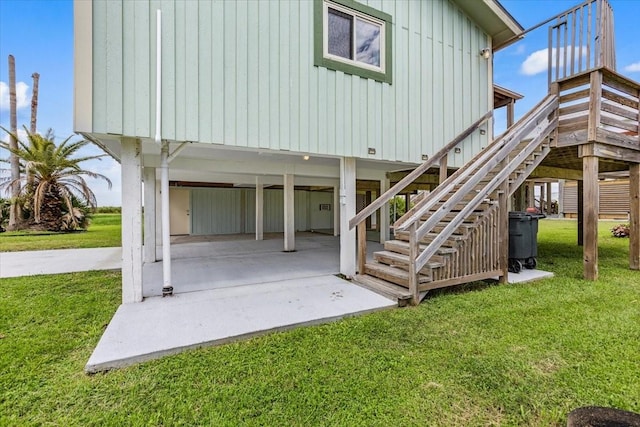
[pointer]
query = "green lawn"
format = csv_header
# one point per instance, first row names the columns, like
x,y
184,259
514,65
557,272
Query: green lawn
x,y
484,355
104,231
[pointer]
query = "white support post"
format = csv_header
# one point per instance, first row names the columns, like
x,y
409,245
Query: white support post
x,y
384,212
131,173
347,211
336,210
289,214
259,209
149,214
158,219
167,288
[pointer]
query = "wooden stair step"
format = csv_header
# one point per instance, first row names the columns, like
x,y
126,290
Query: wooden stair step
x,y
386,289
395,275
480,208
402,247
397,259
451,241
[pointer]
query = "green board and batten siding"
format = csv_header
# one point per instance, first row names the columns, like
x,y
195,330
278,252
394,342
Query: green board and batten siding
x,y
241,73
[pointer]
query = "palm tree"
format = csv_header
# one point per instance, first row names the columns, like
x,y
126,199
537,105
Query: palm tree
x,y
58,178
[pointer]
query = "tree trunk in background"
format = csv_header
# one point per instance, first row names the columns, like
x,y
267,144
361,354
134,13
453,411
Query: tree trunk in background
x,y
34,117
51,209
34,102
14,211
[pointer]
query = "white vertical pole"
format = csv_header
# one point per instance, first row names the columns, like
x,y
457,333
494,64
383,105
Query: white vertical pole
x,y
259,209
289,214
149,214
131,174
158,219
167,289
384,212
336,210
347,211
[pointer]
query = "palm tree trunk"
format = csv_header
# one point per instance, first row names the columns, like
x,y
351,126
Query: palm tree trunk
x,y
34,116
51,210
34,101
14,211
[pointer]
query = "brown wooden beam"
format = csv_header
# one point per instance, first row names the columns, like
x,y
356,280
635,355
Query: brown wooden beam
x,y
595,98
503,229
443,169
634,216
556,173
580,191
427,178
591,212
609,152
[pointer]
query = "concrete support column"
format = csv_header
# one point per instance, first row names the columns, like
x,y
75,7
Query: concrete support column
x,y
543,198
549,198
259,209
289,214
347,211
336,211
131,173
591,213
634,217
384,212
149,214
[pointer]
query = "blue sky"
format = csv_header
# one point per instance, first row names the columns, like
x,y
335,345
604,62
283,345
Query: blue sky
x,y
39,33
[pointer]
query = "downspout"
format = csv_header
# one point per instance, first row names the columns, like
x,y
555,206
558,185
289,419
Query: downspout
x,y
167,289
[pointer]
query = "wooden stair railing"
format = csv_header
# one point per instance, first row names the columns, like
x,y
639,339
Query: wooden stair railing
x,y
416,173
452,235
448,196
436,159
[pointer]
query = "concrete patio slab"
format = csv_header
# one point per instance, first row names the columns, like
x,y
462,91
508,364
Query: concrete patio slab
x,y
526,275
205,265
162,326
30,263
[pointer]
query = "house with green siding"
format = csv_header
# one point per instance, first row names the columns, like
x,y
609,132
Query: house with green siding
x,y
277,116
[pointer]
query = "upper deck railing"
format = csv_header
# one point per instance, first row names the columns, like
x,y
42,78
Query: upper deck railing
x,y
581,39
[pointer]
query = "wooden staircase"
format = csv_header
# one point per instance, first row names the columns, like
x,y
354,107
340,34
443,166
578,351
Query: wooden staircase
x,y
455,235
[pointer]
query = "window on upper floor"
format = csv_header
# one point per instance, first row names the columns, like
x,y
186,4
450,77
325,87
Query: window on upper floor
x,y
353,38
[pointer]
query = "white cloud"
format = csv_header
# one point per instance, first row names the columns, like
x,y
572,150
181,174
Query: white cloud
x,y
633,68
22,98
520,50
22,135
538,61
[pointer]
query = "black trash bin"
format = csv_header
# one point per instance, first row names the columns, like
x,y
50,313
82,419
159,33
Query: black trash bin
x,y
523,240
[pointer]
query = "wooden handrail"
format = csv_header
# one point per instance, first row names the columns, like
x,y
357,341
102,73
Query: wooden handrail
x,y
525,124
404,182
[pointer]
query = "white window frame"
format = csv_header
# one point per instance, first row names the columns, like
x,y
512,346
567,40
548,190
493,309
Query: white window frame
x,y
355,14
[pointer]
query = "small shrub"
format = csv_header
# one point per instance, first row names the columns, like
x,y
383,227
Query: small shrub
x,y
620,230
